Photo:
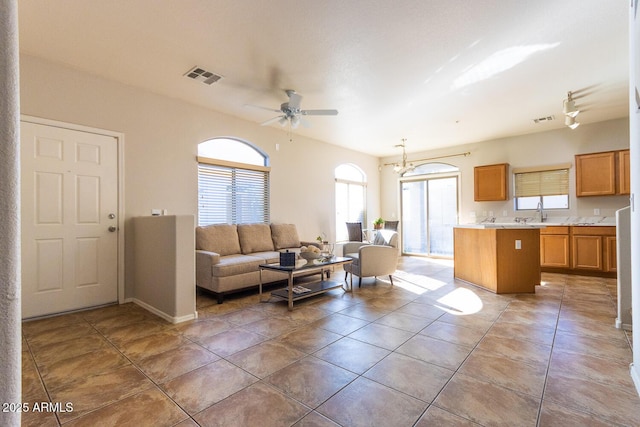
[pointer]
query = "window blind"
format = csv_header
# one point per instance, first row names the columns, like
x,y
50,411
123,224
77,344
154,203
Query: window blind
x,y
232,195
542,183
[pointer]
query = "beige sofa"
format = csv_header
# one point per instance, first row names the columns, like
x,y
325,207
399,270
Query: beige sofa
x,y
228,255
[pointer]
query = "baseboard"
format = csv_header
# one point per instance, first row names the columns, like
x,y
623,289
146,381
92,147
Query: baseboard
x,y
165,316
635,376
623,326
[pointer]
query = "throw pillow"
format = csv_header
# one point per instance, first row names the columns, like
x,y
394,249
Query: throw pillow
x,y
255,238
285,236
219,238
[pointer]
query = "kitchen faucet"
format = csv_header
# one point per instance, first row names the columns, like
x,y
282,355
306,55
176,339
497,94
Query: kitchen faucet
x,y
540,210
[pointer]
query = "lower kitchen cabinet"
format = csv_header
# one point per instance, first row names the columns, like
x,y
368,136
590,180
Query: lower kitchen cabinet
x,y
579,250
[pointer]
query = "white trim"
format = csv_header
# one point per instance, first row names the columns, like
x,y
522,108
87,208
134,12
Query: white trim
x,y
162,314
119,136
635,376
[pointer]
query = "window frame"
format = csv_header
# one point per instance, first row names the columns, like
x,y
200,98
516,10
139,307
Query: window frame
x,y
237,208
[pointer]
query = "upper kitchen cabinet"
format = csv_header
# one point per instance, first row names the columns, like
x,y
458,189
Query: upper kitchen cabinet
x,y
624,172
602,174
490,182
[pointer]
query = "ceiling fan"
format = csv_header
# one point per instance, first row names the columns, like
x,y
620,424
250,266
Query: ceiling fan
x,y
291,113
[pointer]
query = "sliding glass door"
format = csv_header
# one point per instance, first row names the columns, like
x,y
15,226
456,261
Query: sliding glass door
x,y
429,212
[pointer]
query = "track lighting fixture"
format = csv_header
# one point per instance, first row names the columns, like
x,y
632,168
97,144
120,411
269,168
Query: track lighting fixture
x,y
570,111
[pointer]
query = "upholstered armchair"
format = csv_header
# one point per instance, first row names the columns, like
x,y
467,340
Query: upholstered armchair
x,y
372,260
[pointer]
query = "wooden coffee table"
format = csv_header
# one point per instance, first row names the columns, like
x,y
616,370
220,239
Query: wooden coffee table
x,y
292,293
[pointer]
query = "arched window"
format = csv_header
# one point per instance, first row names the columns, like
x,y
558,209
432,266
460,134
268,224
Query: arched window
x,y
351,191
233,182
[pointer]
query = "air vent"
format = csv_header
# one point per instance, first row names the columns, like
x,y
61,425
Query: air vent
x,y
206,77
544,119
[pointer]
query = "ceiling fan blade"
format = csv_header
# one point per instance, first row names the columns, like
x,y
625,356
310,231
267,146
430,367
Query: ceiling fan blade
x,y
319,112
263,108
294,100
271,120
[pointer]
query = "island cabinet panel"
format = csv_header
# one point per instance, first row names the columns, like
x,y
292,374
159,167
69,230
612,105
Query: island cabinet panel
x,y
490,183
500,260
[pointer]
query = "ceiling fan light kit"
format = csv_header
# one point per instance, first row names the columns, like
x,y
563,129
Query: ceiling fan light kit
x,y
405,165
290,112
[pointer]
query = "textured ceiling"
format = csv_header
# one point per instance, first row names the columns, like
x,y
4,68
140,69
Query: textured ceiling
x,y
437,72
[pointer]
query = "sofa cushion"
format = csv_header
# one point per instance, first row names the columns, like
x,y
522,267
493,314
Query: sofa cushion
x,y
232,265
218,238
255,238
285,236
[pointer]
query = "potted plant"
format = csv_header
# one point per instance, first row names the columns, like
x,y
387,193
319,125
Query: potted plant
x,y
377,224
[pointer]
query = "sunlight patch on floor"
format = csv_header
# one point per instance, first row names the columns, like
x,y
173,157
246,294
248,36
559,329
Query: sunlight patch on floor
x,y
460,302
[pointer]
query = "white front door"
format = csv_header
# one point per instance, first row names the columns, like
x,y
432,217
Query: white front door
x,y
69,186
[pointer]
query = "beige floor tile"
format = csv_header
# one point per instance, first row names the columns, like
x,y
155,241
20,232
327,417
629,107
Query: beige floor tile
x,y
169,364
244,316
437,352
40,339
257,405
613,404
207,385
454,334
353,355
473,321
305,314
381,336
367,403
149,345
340,323
526,332
595,369
414,377
314,419
94,392
404,321
435,416
311,380
271,327
35,327
516,349
201,329
266,358
121,334
74,368
232,341
51,353
552,414
364,312
308,339
427,311
511,374
530,317
150,407
486,403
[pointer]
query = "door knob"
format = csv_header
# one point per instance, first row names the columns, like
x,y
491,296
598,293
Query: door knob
x,y
112,229
112,216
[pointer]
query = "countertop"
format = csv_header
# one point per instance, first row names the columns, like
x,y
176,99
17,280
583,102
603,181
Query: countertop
x,y
519,222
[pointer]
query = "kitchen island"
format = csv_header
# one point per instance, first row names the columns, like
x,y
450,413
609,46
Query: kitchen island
x,y
501,258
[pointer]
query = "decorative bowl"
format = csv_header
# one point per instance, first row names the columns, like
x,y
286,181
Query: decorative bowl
x,y
310,256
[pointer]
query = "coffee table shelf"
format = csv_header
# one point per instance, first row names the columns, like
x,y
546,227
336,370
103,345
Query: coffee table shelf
x,y
315,288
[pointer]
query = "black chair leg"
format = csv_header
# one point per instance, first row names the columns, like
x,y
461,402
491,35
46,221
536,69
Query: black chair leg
x,y
359,281
346,273
391,280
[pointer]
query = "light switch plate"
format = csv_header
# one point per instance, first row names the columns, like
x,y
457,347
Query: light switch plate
x,y
518,244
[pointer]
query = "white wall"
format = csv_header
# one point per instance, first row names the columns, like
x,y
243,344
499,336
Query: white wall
x,y
161,138
539,149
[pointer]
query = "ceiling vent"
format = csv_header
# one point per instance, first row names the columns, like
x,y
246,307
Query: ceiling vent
x,y
206,77
544,119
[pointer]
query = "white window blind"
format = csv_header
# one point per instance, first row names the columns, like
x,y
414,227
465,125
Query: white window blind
x,y
232,195
542,183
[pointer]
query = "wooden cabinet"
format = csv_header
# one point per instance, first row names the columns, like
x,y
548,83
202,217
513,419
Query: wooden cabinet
x,y
554,247
602,174
579,250
490,182
624,172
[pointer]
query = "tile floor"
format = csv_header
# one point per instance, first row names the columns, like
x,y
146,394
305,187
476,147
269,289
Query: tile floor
x,y
429,351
